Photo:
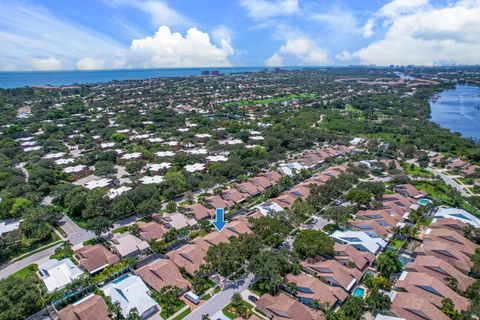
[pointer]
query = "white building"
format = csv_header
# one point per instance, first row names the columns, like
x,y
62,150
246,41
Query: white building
x,y
151,180
102,183
131,292
57,274
361,240
197,167
268,208
7,226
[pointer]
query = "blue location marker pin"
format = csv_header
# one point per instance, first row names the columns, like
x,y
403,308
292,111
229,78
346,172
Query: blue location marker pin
x,y
219,221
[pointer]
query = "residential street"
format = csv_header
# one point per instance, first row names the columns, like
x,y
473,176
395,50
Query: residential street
x,y
221,299
447,179
76,236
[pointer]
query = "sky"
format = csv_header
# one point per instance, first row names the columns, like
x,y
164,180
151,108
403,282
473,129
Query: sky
x,y
112,34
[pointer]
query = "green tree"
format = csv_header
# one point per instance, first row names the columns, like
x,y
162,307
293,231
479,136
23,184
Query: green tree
x,y
378,301
272,231
352,309
359,197
313,243
270,267
133,314
98,225
340,215
388,263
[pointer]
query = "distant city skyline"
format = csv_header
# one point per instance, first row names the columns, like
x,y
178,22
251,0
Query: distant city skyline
x,y
111,34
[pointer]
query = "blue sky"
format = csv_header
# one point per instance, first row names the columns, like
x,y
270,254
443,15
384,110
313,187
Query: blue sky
x,y
105,34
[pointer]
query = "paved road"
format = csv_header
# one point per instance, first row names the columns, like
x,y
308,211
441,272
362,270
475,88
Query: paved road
x,y
21,166
221,299
37,258
76,236
445,178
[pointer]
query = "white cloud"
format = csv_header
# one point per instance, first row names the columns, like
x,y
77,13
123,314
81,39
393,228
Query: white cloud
x,y
399,7
89,63
168,49
344,56
274,61
32,38
421,34
367,29
264,9
305,49
159,11
46,64
338,22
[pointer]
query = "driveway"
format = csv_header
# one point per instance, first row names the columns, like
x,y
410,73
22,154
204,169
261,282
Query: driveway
x,y
220,300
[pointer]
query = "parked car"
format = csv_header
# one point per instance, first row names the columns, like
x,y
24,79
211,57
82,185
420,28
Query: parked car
x,y
192,297
253,298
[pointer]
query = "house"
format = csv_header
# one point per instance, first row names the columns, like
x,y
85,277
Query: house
x,y
161,273
360,240
449,236
131,292
348,256
283,307
7,226
458,214
190,257
412,306
199,211
408,190
219,203
234,195
175,220
56,274
372,226
151,179
260,182
310,288
440,270
430,288
100,183
127,245
285,201
333,273
78,171
95,258
446,252
448,224
248,188
149,231
268,208
92,307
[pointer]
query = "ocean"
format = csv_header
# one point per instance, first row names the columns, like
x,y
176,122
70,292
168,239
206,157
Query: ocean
x,y
16,79
458,110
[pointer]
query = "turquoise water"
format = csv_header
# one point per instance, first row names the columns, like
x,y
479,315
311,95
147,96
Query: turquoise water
x,y
38,78
125,276
458,110
405,260
359,292
424,202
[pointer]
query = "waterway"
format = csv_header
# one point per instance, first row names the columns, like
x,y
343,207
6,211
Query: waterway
x,y
17,79
458,109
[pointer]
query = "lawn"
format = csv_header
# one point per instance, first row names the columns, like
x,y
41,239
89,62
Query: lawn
x,y
28,248
258,291
182,315
121,229
27,272
166,315
415,171
232,315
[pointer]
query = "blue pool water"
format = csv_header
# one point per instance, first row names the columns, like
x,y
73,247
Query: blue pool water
x,y
404,260
359,292
424,202
125,276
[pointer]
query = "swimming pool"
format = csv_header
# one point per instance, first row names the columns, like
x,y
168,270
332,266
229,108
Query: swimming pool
x,y
404,259
359,292
424,202
125,276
